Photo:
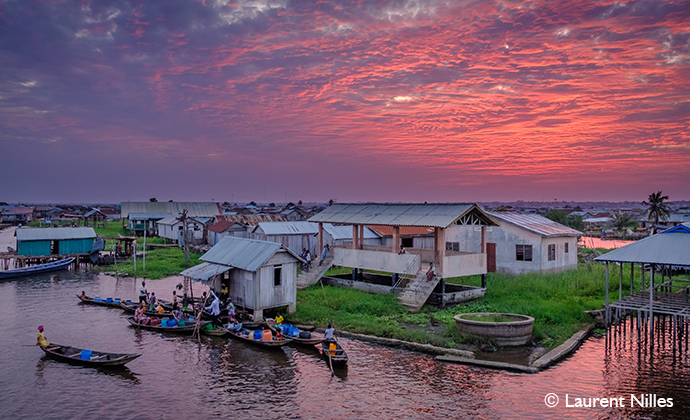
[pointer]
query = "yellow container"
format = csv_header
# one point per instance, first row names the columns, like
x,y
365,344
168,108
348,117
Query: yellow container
x,y
331,349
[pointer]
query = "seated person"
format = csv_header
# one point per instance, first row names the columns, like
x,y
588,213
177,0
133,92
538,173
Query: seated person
x,y
231,310
83,295
279,319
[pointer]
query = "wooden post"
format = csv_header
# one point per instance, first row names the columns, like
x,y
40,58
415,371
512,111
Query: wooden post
x,y
483,247
606,305
361,237
320,238
396,239
651,306
632,278
355,236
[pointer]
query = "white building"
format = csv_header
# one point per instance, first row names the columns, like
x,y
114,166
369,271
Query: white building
x,y
523,243
295,236
172,228
260,275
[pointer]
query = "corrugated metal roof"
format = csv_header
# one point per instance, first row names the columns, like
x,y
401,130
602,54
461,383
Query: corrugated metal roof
x,y
205,271
537,224
168,220
671,247
54,234
251,219
345,232
288,228
194,209
432,215
148,216
247,254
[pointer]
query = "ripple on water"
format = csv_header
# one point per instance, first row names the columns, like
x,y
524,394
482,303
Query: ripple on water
x,y
184,377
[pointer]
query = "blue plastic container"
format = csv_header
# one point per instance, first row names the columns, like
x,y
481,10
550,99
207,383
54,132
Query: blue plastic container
x,y
164,322
86,355
117,301
109,300
191,318
182,323
257,335
97,299
294,332
172,322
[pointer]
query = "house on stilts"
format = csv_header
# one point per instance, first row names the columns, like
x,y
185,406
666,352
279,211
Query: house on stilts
x,y
662,295
415,273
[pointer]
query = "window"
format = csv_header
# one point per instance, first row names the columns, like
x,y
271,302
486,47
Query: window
x,y
523,252
552,252
277,271
566,247
452,246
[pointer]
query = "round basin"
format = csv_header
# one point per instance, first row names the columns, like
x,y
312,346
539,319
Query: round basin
x,y
504,329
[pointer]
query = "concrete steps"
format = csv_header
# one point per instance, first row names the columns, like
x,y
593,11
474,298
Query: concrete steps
x,y
418,291
312,276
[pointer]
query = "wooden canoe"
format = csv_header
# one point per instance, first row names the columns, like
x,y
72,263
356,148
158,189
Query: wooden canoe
x,y
270,344
216,332
36,269
73,356
187,329
112,304
338,356
131,307
306,341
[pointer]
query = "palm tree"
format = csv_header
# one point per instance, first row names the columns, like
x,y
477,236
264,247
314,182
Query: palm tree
x,y
657,209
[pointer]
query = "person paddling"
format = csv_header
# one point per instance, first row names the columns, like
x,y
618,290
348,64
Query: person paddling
x,y
41,340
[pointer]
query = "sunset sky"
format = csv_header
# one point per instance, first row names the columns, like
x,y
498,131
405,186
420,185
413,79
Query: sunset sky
x,y
351,100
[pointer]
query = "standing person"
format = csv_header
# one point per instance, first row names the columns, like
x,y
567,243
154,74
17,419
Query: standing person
x,y
323,254
308,259
185,301
174,302
231,310
224,292
152,302
329,334
143,294
41,339
214,310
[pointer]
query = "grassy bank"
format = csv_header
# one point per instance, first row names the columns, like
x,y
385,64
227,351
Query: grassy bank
x,y
159,263
556,301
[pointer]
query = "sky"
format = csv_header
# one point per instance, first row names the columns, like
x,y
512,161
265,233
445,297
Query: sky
x,y
383,101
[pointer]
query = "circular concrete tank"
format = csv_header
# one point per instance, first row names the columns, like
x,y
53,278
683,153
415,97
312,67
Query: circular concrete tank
x,y
515,331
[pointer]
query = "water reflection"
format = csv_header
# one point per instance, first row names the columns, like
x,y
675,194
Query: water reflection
x,y
183,376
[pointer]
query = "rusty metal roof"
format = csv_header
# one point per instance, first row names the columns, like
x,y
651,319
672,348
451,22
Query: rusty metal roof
x,y
431,215
246,254
250,219
288,228
54,234
537,224
194,209
670,247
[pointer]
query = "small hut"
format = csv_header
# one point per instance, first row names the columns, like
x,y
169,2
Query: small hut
x,y
260,275
36,242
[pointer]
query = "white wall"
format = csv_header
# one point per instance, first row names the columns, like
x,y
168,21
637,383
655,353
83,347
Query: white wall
x,y
271,296
506,237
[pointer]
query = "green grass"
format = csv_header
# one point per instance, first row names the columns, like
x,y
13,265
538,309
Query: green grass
x,y
159,263
556,301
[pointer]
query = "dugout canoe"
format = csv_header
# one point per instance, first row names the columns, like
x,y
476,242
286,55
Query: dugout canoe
x,y
83,357
36,269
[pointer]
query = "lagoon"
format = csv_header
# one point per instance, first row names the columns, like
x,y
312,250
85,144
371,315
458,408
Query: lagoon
x,y
185,377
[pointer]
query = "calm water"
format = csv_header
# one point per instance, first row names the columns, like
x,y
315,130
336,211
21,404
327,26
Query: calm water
x,y
180,377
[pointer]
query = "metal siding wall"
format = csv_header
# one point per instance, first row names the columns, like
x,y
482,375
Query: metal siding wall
x,y
75,246
34,248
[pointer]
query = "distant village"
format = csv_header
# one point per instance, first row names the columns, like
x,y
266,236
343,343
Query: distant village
x,y
263,254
